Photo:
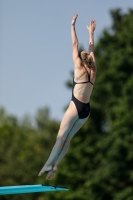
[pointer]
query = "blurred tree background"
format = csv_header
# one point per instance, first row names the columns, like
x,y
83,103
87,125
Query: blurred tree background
x,y
99,163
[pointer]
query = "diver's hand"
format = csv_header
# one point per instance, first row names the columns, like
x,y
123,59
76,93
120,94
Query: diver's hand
x,y
92,26
74,19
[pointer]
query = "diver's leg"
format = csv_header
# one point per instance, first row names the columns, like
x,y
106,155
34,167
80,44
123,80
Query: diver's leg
x,y
66,125
78,124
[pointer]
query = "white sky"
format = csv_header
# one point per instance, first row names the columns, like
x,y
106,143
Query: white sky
x,y
35,50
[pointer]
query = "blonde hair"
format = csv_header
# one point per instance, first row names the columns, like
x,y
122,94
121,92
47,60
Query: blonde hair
x,y
86,58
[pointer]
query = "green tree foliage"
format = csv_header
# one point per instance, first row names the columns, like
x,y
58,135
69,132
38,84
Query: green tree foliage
x,y
23,151
99,163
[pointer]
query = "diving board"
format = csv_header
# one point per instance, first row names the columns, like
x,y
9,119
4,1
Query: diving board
x,y
30,189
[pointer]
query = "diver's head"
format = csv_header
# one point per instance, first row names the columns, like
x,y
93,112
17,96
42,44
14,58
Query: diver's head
x,y
86,59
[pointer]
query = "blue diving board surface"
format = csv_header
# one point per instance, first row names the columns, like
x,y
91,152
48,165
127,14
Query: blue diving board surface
x,y
30,189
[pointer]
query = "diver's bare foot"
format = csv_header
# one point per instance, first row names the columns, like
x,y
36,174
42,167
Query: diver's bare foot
x,y
51,173
45,169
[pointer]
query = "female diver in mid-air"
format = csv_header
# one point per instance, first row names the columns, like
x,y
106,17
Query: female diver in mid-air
x,y
79,108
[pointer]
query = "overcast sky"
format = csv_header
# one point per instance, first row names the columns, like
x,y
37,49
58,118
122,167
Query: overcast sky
x,y
35,50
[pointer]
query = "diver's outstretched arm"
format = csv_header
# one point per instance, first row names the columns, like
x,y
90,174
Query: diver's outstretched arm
x,y
75,53
91,30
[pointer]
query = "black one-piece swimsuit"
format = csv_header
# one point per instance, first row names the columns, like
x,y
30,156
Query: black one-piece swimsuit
x,y
83,109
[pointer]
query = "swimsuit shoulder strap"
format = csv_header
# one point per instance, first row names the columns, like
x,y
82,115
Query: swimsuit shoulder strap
x,y
84,81
89,77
